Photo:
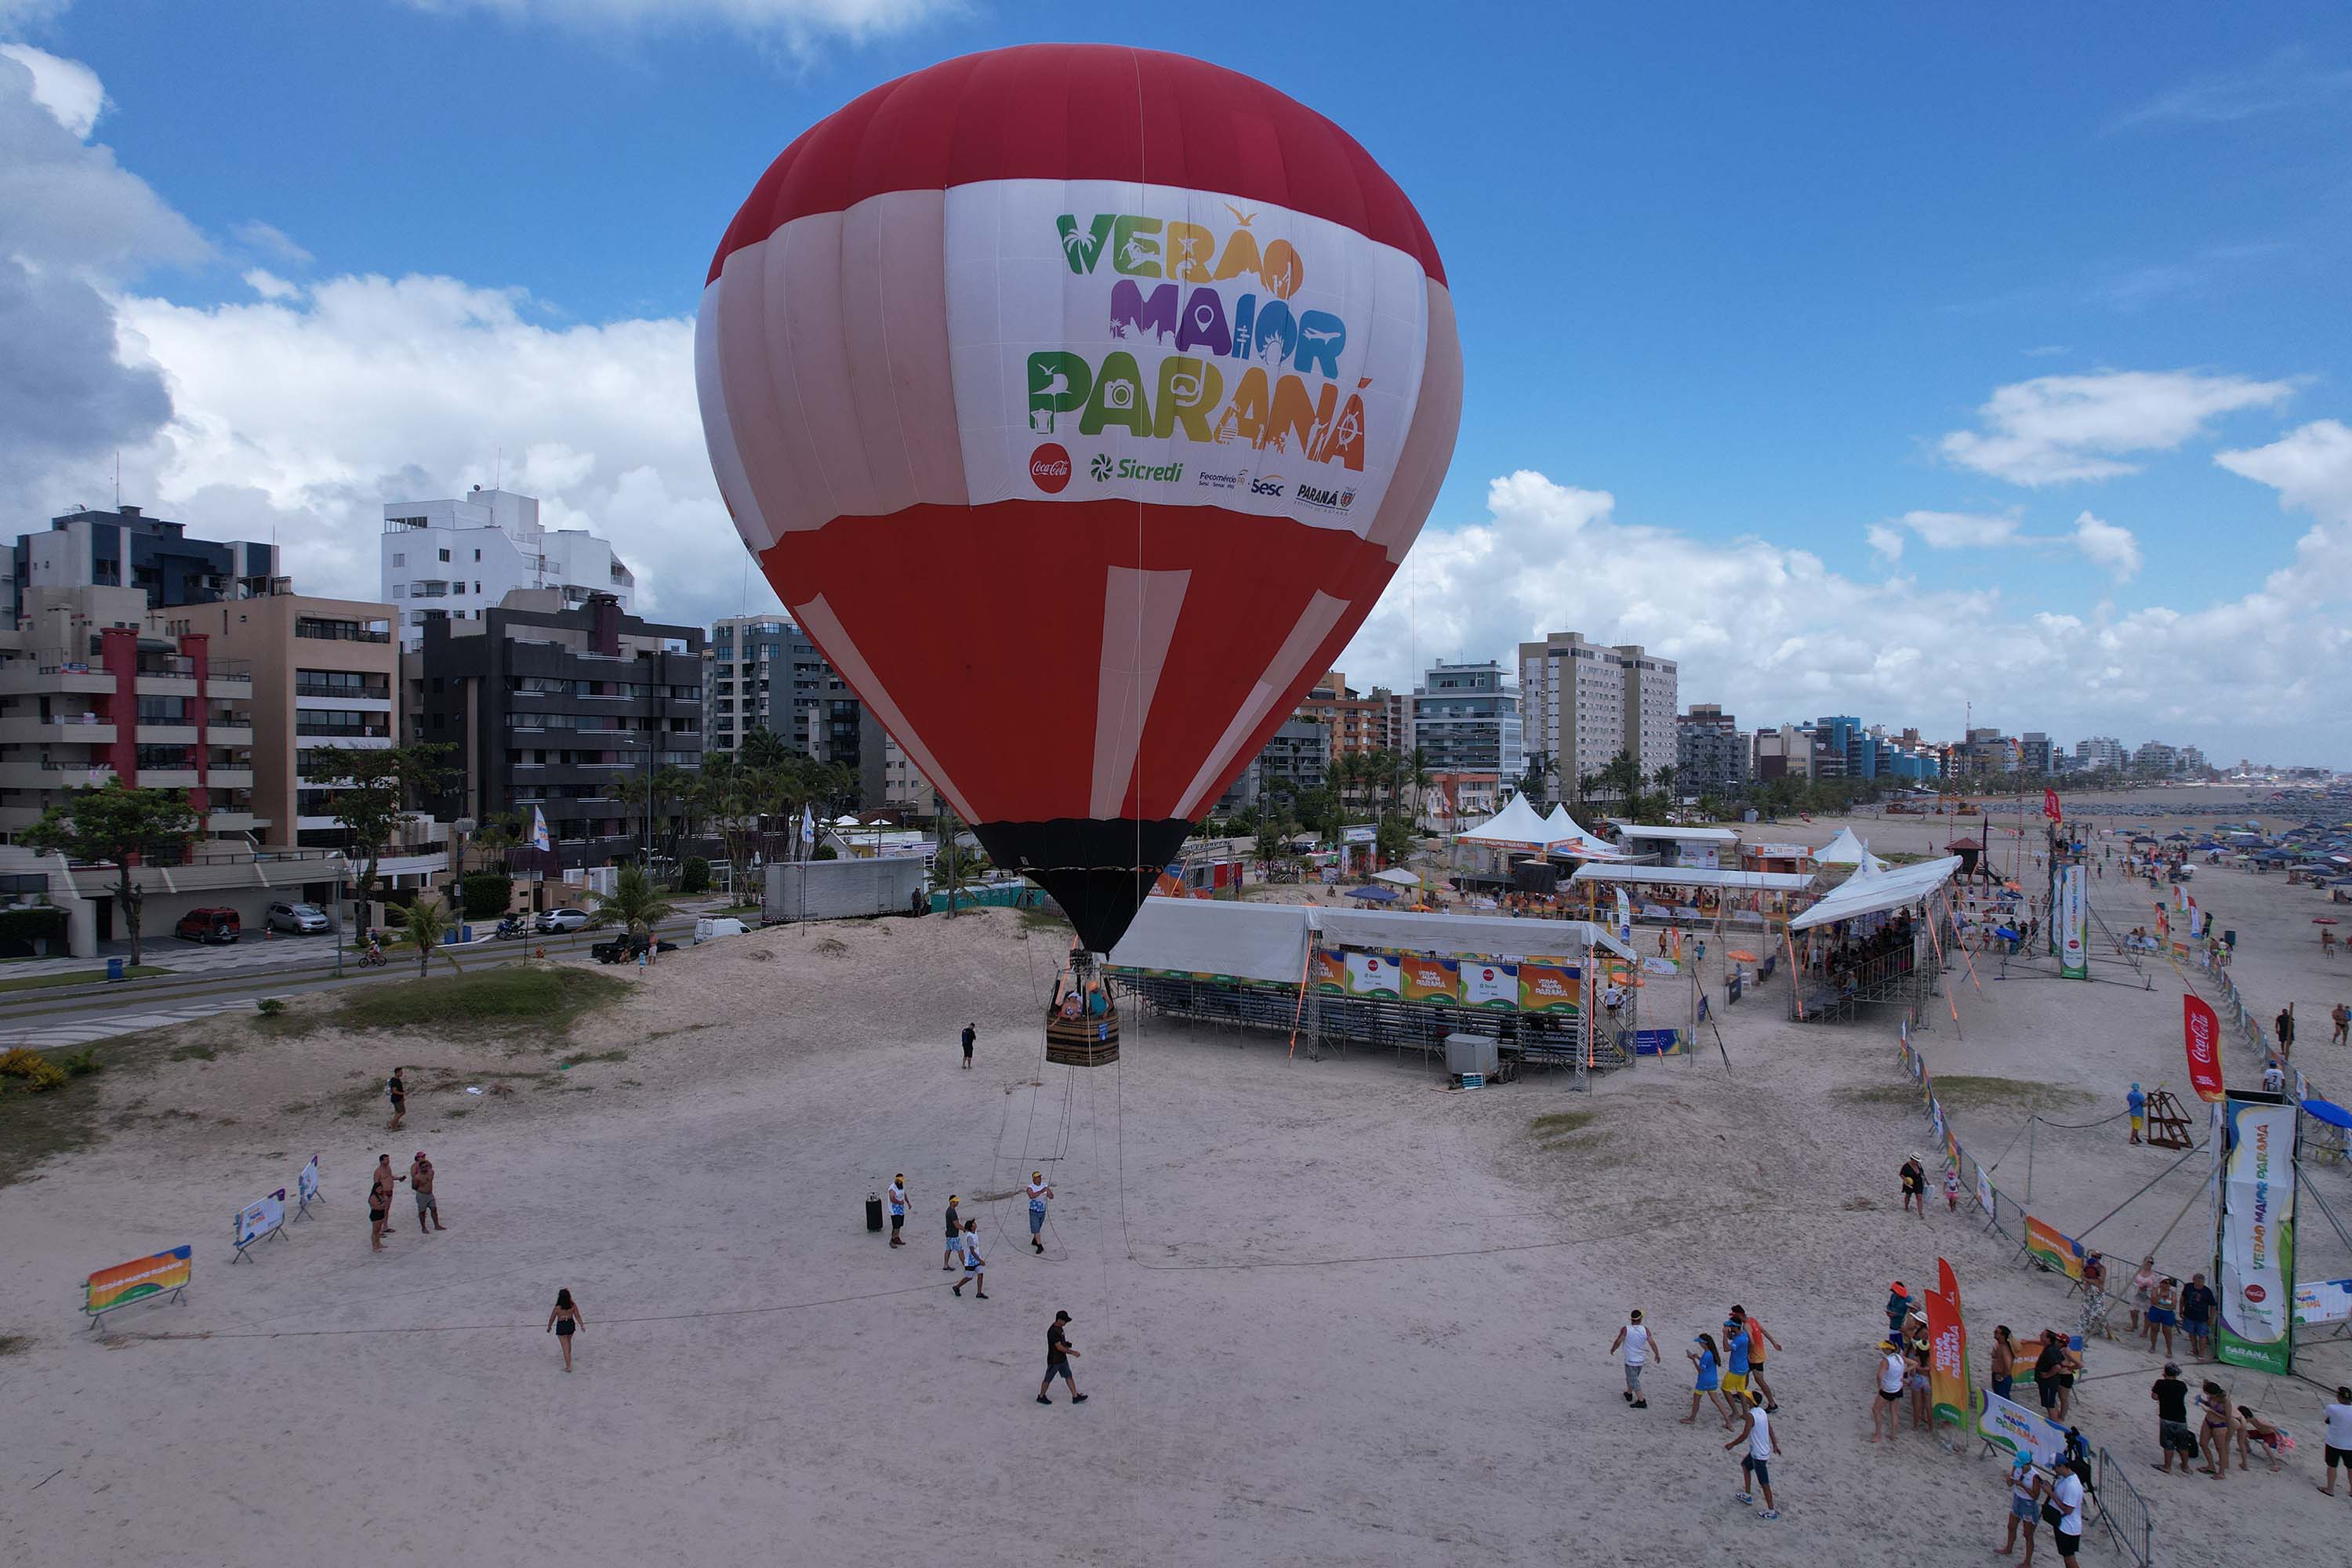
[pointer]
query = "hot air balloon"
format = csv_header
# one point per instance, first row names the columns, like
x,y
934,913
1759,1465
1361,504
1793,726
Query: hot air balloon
x,y
1078,402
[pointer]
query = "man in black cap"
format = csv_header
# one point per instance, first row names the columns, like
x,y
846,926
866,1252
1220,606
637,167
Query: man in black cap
x,y
969,1034
1058,1355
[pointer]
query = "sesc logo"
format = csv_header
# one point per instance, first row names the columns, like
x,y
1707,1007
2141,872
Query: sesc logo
x,y
1100,467
1270,485
1049,466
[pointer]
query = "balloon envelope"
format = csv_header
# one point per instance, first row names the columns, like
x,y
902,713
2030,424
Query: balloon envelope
x,y
1078,401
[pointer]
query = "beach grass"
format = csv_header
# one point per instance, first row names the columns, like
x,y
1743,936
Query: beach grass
x,y
1960,1092
544,1000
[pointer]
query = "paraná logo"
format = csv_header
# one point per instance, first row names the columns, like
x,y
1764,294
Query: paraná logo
x,y
1049,466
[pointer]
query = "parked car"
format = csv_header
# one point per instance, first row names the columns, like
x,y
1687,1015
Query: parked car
x,y
560,919
620,949
300,919
217,926
709,928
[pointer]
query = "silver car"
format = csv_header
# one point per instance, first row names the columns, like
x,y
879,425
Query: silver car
x,y
300,919
562,919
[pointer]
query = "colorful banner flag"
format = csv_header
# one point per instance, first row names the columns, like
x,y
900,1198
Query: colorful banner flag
x,y
2050,805
2201,1029
128,1282
2020,1430
1372,975
1426,978
1548,989
260,1218
2053,1249
539,838
1947,1347
1984,1189
2074,926
1624,917
2257,1241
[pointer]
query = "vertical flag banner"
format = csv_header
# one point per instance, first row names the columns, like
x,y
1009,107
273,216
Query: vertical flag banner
x,y
2201,1029
1984,1189
1948,1349
2257,1239
2074,926
539,839
1624,917
2050,805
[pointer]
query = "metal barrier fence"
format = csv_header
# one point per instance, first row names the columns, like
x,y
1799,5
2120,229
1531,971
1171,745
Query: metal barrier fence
x,y
2123,1512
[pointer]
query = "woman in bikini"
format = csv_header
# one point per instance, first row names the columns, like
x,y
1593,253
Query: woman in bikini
x,y
564,1320
2213,1436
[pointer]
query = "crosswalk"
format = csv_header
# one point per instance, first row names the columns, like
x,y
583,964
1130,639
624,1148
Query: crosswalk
x,y
82,1031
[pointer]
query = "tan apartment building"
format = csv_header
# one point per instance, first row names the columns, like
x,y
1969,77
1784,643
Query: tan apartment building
x,y
326,672
1583,702
1357,723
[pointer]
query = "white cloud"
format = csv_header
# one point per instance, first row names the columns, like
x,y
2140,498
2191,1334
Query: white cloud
x,y
1884,542
2311,468
270,241
270,286
1774,633
2055,428
2109,546
1964,529
2286,81
801,23
67,88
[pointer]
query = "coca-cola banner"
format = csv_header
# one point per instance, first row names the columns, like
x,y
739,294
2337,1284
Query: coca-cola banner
x,y
2200,1030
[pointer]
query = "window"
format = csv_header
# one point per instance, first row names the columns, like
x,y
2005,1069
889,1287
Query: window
x,y
398,558
445,556
458,588
477,555
400,590
477,588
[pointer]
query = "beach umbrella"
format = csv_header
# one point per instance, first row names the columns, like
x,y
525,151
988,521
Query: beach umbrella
x,y
1374,895
2323,920
1742,955
1398,875
1143,377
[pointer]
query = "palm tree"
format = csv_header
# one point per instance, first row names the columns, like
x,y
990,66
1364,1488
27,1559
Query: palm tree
x,y
634,904
428,922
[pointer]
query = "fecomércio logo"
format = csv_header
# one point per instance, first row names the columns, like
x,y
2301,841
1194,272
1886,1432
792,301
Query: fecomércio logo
x,y
1049,468
1100,467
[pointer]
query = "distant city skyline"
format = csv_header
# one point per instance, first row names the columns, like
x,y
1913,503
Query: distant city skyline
x,y
1893,457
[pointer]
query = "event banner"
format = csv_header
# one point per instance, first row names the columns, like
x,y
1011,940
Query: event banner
x,y
2257,1240
2200,1031
2020,1430
2074,926
2322,1301
1547,987
1494,985
1423,977
1947,1347
1357,974
306,1183
2052,1248
260,1218
1984,1189
127,1282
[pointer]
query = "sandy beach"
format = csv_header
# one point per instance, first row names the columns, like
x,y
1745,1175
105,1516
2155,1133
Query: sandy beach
x,y
1327,1311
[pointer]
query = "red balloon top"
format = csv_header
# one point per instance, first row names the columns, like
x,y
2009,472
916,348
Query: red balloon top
x,y
1082,111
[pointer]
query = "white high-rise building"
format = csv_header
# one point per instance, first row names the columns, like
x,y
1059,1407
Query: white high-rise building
x,y
464,556
1583,702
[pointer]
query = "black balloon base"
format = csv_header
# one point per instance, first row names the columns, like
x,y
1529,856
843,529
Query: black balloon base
x,y
1099,869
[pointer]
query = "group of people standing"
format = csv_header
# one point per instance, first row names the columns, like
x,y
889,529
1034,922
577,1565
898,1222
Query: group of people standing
x,y
1731,1376
961,1247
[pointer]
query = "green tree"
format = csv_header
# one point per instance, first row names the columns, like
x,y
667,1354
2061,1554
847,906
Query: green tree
x,y
764,749
694,876
634,903
371,792
485,894
1540,767
427,922
119,824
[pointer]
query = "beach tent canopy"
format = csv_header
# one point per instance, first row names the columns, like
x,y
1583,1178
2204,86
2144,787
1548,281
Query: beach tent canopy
x,y
1398,875
1569,838
1658,830
1871,891
1697,877
1516,825
1845,849
1374,895
1270,942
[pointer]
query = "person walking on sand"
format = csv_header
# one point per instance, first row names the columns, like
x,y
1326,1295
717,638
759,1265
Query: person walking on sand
x,y
1058,1356
564,1320
2213,1435
2338,1420
1755,1465
1759,1337
897,1208
2284,1025
1635,1339
975,1266
2341,1016
1039,1191
954,1253
1735,1344
395,1089
2197,1303
380,1187
420,1182
2172,1433
1913,1176
1952,1188
1892,1374
2024,1506
969,1034
1708,1366
1898,1307
2137,1103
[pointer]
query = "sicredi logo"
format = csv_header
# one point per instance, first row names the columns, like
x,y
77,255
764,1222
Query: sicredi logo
x,y
1049,466
1271,484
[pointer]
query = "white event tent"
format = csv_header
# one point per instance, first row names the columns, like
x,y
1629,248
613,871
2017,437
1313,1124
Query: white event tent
x,y
1575,840
1845,849
1876,888
1516,827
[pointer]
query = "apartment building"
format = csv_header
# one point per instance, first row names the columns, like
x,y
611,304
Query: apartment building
x,y
95,685
1710,754
2099,753
1296,759
460,558
127,549
326,673
1466,719
903,785
1357,723
762,672
1584,702
548,706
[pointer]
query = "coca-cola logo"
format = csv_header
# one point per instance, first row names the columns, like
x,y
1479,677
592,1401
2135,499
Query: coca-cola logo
x,y
1049,468
2255,1293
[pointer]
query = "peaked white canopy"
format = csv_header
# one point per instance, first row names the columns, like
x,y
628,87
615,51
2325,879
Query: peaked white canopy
x,y
1516,825
1573,840
1845,849
1874,888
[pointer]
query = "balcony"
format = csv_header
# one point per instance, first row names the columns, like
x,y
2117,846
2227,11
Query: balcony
x,y
18,676
379,690
56,731
47,775
340,631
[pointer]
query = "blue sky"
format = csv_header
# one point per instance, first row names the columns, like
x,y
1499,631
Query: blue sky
x,y
1753,274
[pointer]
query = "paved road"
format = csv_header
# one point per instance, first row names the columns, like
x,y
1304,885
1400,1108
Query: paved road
x,y
73,1015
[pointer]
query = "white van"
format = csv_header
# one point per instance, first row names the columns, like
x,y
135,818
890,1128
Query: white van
x,y
709,928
